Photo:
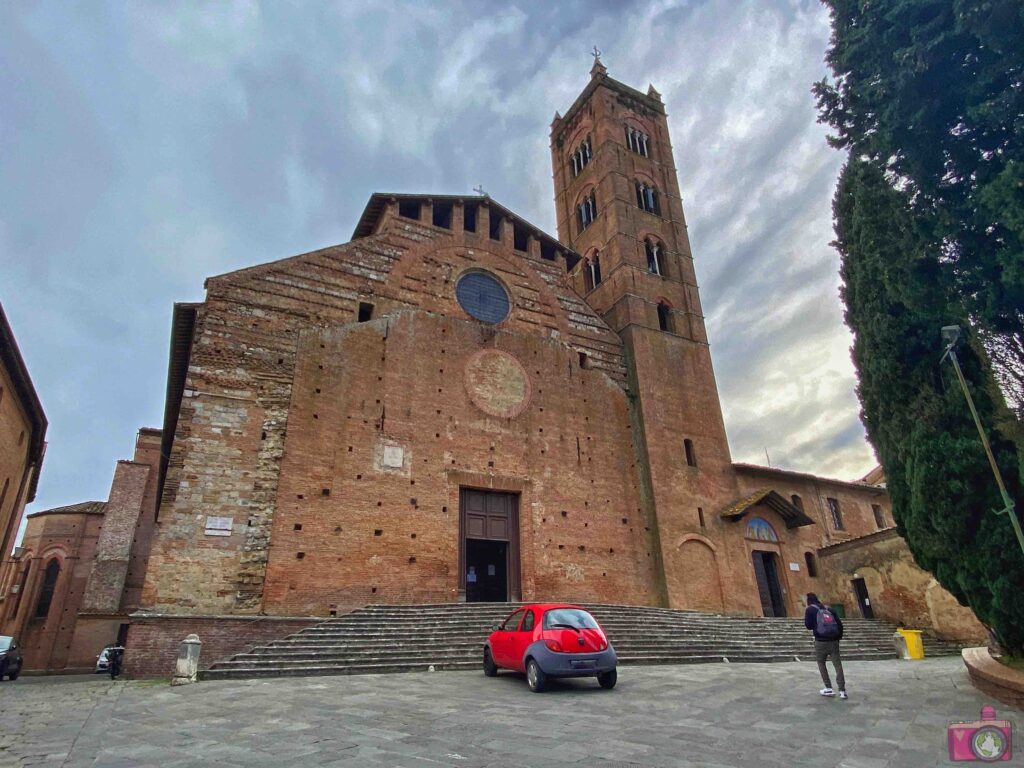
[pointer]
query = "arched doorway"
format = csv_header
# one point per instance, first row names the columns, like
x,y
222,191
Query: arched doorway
x,y
766,566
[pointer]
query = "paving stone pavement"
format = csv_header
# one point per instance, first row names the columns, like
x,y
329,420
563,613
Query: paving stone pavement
x,y
735,715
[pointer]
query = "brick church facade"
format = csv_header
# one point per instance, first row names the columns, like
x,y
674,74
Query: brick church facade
x,y
457,406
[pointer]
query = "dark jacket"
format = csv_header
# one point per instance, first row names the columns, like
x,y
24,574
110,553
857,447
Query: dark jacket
x,y
811,622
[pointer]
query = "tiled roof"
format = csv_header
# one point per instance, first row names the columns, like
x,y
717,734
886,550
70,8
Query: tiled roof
x,y
757,469
793,515
82,508
856,541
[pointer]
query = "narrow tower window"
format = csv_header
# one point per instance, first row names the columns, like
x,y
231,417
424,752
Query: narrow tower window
x,y
797,502
879,516
691,456
592,271
49,585
665,317
365,312
654,251
442,214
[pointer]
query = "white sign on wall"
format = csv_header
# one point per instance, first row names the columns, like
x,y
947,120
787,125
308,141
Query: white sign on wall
x,y
794,566
218,526
394,456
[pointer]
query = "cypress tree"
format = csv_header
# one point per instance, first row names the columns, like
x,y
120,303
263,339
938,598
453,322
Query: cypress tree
x,y
932,93
898,293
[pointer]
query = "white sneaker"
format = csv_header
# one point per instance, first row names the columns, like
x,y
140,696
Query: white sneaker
x,y
827,692
842,695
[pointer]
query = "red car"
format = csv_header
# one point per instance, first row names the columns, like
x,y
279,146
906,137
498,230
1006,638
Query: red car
x,y
551,640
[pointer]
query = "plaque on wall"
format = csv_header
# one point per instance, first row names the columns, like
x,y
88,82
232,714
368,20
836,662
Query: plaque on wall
x,y
218,526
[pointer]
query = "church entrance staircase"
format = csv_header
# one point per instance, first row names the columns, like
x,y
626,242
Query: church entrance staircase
x,y
412,638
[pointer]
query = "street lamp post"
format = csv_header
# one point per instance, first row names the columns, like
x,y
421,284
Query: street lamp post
x,y
951,335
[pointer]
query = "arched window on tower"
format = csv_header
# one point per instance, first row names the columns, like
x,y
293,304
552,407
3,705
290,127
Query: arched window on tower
x,y
655,251
647,198
581,157
586,211
665,317
46,591
592,271
637,141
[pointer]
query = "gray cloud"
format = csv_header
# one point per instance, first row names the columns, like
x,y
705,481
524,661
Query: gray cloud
x,y
146,147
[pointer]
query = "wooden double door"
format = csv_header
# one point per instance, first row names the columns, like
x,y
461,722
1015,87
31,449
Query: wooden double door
x,y
488,546
769,587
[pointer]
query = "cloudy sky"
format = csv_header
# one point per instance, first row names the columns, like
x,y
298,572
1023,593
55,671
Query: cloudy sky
x,y
146,146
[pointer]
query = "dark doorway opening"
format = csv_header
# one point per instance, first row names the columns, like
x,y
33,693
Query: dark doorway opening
x,y
860,589
486,571
766,573
489,546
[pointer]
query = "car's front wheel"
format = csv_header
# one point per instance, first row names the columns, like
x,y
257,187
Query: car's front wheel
x,y
14,675
490,668
535,676
608,679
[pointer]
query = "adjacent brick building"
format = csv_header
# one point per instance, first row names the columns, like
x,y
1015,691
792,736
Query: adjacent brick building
x,y
22,445
457,406
79,569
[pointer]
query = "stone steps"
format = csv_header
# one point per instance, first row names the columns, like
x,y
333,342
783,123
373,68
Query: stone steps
x,y
380,639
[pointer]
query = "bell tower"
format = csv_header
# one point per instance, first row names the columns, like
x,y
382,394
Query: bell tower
x,y
618,205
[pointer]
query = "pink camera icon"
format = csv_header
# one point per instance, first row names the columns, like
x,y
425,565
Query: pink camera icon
x,y
986,740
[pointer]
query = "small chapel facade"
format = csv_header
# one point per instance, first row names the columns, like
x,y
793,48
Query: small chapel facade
x,y
457,406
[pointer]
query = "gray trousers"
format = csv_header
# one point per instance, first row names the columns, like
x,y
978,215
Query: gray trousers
x,y
823,649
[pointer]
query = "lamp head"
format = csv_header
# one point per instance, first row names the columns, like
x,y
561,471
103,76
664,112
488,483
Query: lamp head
x,y
950,335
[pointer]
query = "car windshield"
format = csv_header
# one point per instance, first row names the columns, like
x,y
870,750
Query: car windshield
x,y
5,642
574,618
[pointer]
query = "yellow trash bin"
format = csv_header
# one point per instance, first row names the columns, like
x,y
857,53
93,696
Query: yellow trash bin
x,y
915,648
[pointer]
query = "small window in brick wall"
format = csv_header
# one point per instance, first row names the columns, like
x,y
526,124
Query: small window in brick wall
x,y
879,516
469,217
691,456
812,566
442,213
365,311
410,209
494,227
836,513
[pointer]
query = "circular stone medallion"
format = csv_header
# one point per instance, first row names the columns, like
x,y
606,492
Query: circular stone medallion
x,y
497,384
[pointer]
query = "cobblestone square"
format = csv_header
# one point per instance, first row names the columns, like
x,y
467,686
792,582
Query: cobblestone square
x,y
735,715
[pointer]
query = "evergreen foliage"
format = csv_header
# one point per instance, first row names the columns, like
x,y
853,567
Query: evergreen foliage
x,y
932,92
897,296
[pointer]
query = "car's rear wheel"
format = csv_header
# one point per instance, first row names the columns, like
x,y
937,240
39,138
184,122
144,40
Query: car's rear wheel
x,y
490,668
608,679
535,676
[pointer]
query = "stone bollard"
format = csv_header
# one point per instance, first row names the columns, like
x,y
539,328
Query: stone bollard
x,y
900,643
187,666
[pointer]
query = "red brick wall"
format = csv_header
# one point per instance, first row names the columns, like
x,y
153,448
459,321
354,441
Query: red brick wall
x,y
152,647
47,642
15,440
114,546
255,435
147,451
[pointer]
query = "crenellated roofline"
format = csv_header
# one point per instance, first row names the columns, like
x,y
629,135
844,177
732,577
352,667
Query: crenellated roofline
x,y
373,213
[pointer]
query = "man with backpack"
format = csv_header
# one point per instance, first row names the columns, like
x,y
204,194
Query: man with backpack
x,y
828,631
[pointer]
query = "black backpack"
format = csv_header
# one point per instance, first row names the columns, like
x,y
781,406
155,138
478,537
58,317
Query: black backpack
x,y
826,627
